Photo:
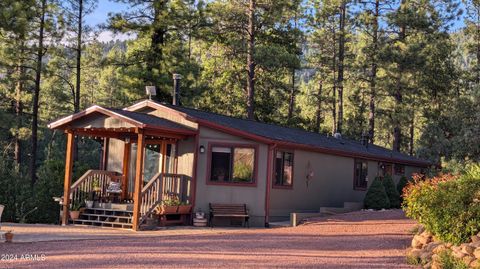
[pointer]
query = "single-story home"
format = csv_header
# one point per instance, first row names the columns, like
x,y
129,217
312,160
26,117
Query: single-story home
x,y
204,157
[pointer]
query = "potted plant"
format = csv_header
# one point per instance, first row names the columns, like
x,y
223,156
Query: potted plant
x,y
169,206
75,210
184,208
8,237
90,199
96,185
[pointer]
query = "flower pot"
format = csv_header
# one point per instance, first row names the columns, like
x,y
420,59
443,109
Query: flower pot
x,y
200,215
184,209
168,209
74,215
89,204
8,237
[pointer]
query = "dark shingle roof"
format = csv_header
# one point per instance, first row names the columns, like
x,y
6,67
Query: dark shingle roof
x,y
299,136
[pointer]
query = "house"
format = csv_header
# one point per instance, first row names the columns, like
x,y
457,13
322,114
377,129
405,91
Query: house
x,y
204,158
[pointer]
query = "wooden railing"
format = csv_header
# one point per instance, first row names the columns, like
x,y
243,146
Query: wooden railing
x,y
160,188
80,190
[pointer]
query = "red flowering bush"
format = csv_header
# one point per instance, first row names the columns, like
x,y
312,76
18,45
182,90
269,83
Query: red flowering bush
x,y
447,205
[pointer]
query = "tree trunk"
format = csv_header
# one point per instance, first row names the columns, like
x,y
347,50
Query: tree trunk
x,y
318,120
412,133
251,61
36,94
79,57
291,104
334,88
18,114
373,76
341,57
76,102
397,130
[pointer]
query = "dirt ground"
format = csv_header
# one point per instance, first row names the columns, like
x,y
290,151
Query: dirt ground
x,y
355,240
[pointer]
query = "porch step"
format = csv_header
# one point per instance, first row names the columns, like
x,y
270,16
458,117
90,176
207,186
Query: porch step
x,y
103,223
103,217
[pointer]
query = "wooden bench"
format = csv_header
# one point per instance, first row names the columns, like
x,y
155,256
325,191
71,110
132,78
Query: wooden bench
x,y
229,211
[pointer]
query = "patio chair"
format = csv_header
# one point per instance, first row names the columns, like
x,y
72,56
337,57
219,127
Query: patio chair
x,y
114,190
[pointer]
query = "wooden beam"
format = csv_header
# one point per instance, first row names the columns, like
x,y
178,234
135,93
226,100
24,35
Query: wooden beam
x,y
137,195
106,147
125,169
164,155
68,176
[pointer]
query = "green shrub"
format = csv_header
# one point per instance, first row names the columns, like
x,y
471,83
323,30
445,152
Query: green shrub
x,y
401,184
448,206
376,197
391,191
447,261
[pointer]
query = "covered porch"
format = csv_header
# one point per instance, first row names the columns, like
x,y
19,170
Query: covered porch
x,y
142,149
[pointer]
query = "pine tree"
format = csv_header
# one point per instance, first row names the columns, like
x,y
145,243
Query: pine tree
x,y
391,191
376,196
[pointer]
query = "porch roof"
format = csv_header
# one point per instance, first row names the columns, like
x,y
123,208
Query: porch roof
x,y
131,120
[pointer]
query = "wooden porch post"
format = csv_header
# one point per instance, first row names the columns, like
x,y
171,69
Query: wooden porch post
x,y
137,196
125,169
164,155
106,147
68,176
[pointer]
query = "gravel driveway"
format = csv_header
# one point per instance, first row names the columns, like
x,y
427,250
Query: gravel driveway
x,y
354,240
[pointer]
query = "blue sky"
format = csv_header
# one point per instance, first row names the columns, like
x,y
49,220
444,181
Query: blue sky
x,y
100,15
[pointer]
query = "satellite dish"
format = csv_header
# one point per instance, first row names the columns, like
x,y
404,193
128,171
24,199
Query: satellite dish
x,y
151,91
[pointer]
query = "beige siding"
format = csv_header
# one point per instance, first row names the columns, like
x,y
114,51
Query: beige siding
x,y
115,155
331,185
254,197
172,116
185,154
97,120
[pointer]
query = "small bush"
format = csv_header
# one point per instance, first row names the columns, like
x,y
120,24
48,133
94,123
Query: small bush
x,y
391,191
448,206
376,197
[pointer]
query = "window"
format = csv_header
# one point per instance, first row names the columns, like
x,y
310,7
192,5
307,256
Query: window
x,y
283,169
399,169
360,174
232,164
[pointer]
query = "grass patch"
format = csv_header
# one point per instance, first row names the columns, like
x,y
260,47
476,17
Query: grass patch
x,y
449,262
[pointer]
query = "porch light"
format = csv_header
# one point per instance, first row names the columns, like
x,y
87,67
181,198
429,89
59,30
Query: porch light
x,y
202,149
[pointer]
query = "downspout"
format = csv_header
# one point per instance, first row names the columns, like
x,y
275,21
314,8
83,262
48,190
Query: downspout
x,y
271,148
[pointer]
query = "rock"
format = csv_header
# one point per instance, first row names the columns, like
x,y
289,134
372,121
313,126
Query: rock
x,y
439,248
420,229
458,254
431,246
476,253
467,249
475,244
435,257
416,244
475,264
427,265
421,239
468,259
426,256
415,253
436,265
449,245
475,238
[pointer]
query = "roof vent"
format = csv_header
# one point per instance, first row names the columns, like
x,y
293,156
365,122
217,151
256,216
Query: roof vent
x,y
337,135
150,91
